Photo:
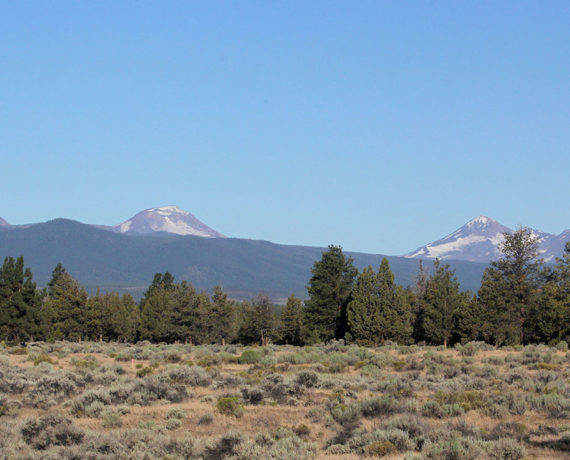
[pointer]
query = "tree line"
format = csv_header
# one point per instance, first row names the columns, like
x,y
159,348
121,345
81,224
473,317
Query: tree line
x,y
520,301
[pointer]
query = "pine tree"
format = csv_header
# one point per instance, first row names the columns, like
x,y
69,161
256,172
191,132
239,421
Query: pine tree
x,y
395,312
364,318
511,285
156,312
222,316
64,309
379,309
183,313
417,301
329,293
257,321
19,302
292,321
442,299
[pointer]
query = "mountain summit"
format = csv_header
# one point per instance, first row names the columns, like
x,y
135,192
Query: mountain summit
x,y
478,239
3,222
169,219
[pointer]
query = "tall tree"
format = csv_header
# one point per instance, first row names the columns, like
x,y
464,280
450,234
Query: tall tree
x,y
379,309
364,316
222,316
64,309
110,316
257,321
329,291
293,321
511,285
442,299
417,300
19,301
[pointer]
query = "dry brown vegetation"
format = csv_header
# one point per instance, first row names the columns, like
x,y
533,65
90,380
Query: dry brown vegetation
x,y
101,401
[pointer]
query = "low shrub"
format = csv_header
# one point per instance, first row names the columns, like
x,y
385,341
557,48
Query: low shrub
x,y
505,449
43,358
454,448
111,419
433,409
307,379
381,406
380,449
50,430
250,356
175,413
230,406
346,414
206,419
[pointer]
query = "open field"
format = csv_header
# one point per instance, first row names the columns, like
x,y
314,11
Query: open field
x,y
103,400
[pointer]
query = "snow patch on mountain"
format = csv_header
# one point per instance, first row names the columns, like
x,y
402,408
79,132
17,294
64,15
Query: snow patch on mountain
x,y
169,219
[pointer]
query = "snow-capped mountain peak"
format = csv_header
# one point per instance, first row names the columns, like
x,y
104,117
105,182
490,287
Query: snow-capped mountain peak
x,y
169,219
480,221
478,241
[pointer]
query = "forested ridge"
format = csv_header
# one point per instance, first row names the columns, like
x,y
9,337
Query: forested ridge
x,y
520,301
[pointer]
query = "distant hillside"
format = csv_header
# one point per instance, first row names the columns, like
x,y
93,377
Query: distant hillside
x,y
108,260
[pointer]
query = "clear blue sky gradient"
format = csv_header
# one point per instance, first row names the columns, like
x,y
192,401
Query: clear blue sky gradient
x,y
379,126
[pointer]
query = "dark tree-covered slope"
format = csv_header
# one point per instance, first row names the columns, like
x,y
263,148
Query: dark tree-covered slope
x,y
103,259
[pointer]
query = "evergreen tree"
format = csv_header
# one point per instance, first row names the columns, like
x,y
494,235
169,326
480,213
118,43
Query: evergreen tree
x,y
203,328
56,274
467,323
111,317
511,285
395,311
329,293
19,302
417,301
155,316
379,309
158,309
364,317
64,309
442,300
257,321
222,316
549,317
292,321
183,315
125,320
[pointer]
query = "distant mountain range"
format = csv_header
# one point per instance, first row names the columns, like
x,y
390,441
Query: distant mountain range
x,y
103,257
126,256
478,239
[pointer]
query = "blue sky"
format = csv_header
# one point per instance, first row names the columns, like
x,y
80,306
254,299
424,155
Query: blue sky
x,y
379,126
